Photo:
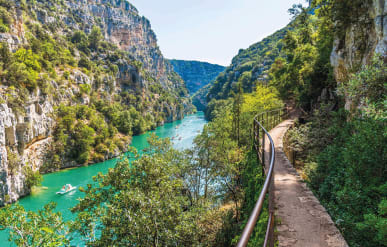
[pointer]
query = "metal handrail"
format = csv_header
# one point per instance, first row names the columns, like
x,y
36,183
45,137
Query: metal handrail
x,y
258,126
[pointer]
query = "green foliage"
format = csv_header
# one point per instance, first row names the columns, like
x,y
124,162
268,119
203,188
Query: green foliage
x,y
214,107
85,88
344,13
33,178
376,223
252,180
249,67
345,164
141,203
42,228
348,173
263,99
50,61
196,74
343,157
95,38
368,87
82,131
84,62
199,99
79,130
222,156
81,40
305,70
13,161
5,20
5,55
23,69
163,196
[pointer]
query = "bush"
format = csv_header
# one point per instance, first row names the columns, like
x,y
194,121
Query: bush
x,y
345,164
83,158
84,62
32,178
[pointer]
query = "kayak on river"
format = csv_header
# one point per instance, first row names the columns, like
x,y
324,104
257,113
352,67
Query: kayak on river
x,y
66,188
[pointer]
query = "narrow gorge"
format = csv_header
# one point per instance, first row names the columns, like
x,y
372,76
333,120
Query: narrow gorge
x,y
70,54
106,142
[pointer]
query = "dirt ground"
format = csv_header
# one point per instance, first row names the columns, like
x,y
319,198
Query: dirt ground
x,y
302,220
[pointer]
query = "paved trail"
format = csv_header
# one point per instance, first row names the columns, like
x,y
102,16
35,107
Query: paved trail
x,y
303,221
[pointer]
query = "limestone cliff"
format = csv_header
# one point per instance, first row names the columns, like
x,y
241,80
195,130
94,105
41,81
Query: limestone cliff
x,y
121,25
362,37
125,69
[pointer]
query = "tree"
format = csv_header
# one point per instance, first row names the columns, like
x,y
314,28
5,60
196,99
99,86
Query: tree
x,y
95,38
237,104
124,123
140,203
33,178
27,228
5,55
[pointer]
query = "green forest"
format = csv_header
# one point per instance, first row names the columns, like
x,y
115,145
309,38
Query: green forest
x,y
203,196
77,71
196,74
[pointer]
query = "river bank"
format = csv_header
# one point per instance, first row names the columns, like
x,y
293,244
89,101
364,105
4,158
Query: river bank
x,y
182,131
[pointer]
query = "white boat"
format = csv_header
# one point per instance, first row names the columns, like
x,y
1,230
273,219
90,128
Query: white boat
x,y
66,188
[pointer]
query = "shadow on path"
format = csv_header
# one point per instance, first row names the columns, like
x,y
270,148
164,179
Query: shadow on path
x,y
303,221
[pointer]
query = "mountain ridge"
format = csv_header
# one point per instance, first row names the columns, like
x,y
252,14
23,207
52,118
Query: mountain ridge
x,y
81,77
196,74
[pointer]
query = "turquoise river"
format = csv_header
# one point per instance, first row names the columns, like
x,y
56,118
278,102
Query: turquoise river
x,y
182,133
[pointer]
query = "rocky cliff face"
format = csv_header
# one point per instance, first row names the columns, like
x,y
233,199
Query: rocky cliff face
x,y
143,82
361,39
23,141
122,25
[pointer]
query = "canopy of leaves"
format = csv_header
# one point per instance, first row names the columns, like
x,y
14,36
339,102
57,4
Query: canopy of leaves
x,y
141,203
27,228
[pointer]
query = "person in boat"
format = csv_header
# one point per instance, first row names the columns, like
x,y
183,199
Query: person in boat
x,y
68,187
64,187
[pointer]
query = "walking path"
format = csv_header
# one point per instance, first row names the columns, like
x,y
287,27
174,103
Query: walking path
x,y
303,221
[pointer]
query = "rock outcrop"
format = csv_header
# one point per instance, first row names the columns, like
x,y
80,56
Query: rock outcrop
x,y
122,25
362,38
26,128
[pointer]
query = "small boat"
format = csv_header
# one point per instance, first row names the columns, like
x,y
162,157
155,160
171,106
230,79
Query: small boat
x,y
66,188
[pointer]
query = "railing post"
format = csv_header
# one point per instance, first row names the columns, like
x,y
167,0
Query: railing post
x,y
252,135
273,119
267,189
257,139
271,204
263,154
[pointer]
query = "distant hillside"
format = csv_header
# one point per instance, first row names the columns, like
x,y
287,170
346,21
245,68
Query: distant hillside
x,y
249,66
196,74
199,99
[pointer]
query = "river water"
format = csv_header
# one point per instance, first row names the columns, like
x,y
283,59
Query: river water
x,y
182,131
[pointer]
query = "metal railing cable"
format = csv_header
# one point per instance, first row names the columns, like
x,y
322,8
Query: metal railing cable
x,y
269,119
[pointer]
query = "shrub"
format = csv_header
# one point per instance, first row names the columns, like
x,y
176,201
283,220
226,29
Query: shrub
x,y
33,178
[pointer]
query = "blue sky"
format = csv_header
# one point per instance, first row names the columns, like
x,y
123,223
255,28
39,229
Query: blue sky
x,y
212,30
